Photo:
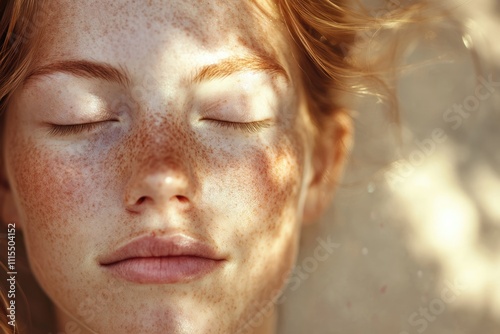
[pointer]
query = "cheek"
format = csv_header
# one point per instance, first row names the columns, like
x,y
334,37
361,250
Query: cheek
x,y
259,192
48,184
257,187
52,191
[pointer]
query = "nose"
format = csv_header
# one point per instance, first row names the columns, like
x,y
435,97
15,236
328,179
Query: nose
x,y
157,185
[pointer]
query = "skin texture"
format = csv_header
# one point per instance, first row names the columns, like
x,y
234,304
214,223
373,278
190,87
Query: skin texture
x,y
159,167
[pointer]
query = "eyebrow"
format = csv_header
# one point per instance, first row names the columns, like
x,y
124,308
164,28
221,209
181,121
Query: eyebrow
x,y
99,70
83,69
230,66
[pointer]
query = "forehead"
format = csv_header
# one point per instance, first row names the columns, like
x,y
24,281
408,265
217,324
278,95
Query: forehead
x,y
142,28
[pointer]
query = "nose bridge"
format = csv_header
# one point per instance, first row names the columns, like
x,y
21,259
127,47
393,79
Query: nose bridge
x,y
159,161
158,143
161,168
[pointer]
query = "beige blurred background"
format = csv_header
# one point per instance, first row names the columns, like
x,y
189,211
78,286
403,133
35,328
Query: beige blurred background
x,y
417,217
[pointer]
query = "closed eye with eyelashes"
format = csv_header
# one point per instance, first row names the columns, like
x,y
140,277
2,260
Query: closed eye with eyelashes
x,y
249,127
73,129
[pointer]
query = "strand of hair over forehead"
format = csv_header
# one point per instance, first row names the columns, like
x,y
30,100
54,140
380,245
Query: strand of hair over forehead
x,y
15,56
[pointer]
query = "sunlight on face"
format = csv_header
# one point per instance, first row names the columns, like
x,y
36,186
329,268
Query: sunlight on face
x,y
155,131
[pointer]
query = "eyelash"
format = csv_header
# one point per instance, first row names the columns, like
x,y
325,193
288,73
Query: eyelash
x,y
72,129
249,127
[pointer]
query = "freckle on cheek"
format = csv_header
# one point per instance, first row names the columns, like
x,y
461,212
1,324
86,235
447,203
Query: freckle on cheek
x,y
46,185
278,181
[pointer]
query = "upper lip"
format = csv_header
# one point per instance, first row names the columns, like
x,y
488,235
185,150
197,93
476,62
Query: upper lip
x,y
151,246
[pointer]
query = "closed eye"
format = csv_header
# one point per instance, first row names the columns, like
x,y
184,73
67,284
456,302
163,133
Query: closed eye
x,y
249,127
73,129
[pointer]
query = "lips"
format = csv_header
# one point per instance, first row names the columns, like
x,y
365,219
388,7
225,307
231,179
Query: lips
x,y
166,260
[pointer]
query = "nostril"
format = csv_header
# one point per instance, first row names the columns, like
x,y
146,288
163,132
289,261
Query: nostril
x,y
182,199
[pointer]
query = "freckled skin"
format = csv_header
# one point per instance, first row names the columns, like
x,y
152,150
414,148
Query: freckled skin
x,y
80,197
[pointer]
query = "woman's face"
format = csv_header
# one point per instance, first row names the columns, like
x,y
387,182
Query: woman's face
x,y
208,209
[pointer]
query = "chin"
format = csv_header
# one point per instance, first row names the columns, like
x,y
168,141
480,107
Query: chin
x,y
173,320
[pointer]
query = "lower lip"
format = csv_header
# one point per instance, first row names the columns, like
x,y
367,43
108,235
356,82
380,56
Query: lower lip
x,y
163,270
